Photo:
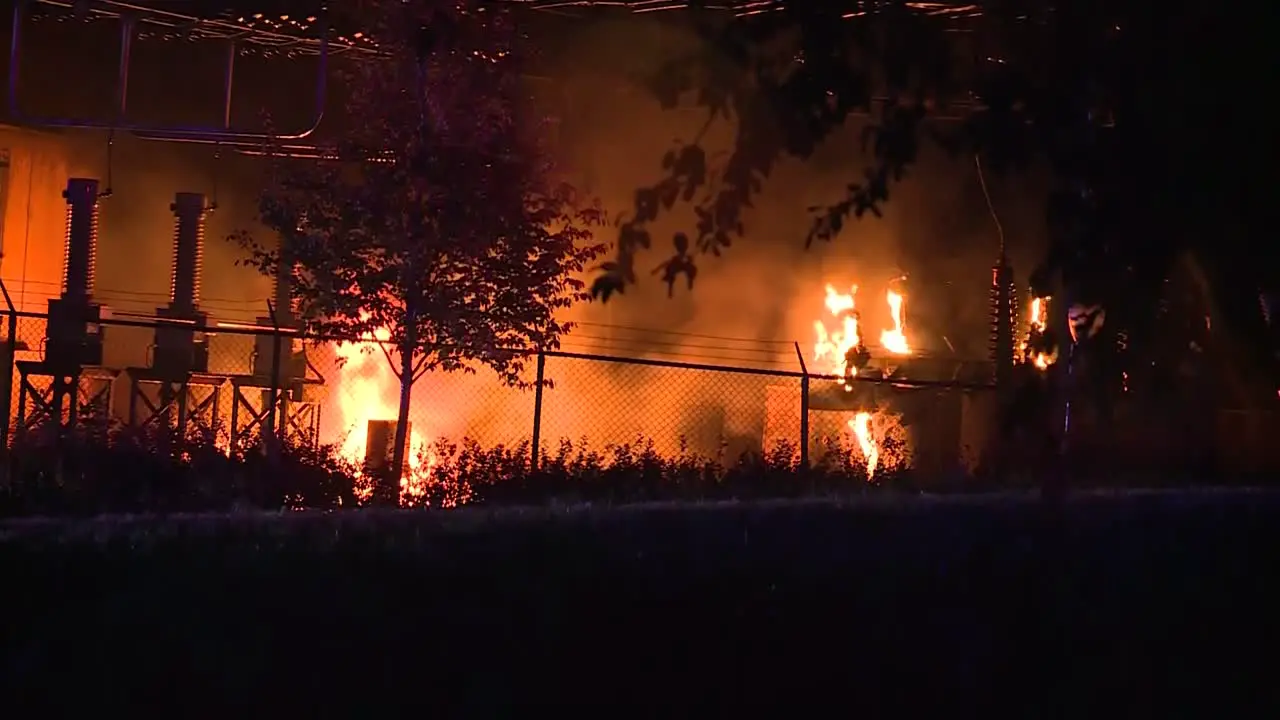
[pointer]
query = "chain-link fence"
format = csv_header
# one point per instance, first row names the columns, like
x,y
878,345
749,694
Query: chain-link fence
x,y
239,384
222,380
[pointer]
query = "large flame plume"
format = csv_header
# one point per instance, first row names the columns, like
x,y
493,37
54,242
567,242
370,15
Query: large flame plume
x,y
861,427
370,391
840,351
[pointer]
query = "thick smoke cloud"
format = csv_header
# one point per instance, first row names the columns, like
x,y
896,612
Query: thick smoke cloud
x,y
937,227
746,309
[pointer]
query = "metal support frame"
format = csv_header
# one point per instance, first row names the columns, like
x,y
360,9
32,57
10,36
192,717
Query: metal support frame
x,y
66,396
129,16
804,409
540,382
297,419
189,403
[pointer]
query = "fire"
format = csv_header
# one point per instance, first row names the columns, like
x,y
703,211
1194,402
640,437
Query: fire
x,y
1038,321
834,347
841,352
370,390
895,340
861,427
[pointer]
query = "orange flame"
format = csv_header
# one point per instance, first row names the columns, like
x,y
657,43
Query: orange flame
x,y
861,426
369,391
1038,321
832,346
831,350
895,340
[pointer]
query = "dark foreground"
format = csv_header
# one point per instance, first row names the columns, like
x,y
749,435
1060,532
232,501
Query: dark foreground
x,y
1121,605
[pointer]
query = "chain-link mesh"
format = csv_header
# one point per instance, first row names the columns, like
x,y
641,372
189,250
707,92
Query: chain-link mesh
x,y
677,409
346,397
878,427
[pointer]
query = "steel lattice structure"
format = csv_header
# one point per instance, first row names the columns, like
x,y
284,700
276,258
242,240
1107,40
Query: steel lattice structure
x,y
296,27
311,27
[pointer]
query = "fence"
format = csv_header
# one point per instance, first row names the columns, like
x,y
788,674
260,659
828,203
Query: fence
x,y
348,396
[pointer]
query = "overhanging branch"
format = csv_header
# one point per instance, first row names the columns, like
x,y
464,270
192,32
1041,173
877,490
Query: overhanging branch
x,y
390,360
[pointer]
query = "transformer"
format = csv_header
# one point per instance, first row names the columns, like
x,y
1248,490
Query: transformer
x,y
278,376
182,346
74,333
177,390
292,362
73,336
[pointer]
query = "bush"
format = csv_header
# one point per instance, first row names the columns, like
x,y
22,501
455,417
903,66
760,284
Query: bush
x,y
94,470
467,473
120,469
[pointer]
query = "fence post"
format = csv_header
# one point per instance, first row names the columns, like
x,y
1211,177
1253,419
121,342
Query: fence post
x,y
804,409
273,396
537,410
6,388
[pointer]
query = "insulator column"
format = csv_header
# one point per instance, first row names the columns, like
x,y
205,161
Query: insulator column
x,y
282,287
81,243
293,363
189,213
1003,320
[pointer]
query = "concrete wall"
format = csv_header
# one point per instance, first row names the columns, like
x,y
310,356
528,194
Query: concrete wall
x,y
32,216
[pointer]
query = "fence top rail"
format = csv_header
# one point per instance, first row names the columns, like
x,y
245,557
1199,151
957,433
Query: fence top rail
x,y
249,329
791,374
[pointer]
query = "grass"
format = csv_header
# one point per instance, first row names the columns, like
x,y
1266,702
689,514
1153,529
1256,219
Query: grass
x,y
1121,603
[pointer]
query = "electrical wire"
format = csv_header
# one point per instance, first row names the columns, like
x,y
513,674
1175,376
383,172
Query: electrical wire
x,y
991,208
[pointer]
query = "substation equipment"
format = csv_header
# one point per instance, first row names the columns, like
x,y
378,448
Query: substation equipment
x,y
176,389
947,406
175,386
78,387
278,396
177,375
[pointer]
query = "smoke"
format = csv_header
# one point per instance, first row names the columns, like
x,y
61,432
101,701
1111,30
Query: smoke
x,y
748,308
767,289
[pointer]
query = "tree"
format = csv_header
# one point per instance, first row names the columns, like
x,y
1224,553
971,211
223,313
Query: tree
x,y
436,216
1108,95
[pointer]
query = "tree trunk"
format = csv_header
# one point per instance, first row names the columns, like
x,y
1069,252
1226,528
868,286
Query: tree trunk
x,y
399,455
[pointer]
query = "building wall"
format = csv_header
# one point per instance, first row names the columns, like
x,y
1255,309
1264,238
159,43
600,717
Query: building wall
x,y
32,216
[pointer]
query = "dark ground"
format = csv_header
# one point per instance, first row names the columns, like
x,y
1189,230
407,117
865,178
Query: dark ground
x,y
1122,605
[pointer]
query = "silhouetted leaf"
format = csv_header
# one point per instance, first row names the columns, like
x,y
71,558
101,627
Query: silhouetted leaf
x,y
604,287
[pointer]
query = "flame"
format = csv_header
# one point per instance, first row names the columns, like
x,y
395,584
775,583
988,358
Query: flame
x,y
1038,321
371,391
833,346
895,340
861,427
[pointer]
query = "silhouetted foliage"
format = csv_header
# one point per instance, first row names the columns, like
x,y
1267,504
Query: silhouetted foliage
x,y
1107,95
93,471
435,221
154,469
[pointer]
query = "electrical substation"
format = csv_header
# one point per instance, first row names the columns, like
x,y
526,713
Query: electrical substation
x,y
178,386
255,379
276,390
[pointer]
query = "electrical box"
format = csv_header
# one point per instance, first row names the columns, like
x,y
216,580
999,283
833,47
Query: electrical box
x,y
74,336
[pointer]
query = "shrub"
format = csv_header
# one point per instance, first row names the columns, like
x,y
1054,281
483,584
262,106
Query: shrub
x,y
121,469
97,468
451,474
